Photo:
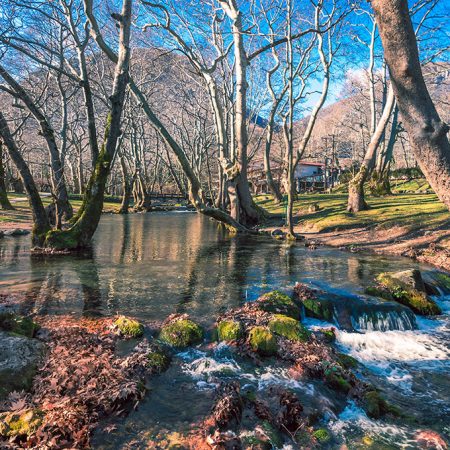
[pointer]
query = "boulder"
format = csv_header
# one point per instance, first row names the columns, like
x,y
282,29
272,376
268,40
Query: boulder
x,y
278,303
19,357
412,278
229,330
289,328
262,341
16,232
127,328
181,332
393,288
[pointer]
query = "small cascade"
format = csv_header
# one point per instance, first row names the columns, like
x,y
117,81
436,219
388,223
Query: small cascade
x,y
384,320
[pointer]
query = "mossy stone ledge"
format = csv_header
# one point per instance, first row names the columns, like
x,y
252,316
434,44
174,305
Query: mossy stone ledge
x,y
263,341
16,324
376,406
278,303
128,328
417,301
158,360
20,424
181,333
289,328
229,330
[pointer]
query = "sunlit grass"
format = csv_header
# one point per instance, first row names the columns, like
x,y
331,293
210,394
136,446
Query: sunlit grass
x,y
413,211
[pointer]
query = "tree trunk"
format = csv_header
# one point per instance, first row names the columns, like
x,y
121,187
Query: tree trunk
x,y
59,186
4,201
40,221
273,187
127,185
427,132
80,234
356,201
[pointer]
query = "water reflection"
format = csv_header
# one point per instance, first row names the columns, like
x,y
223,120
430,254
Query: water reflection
x,y
151,265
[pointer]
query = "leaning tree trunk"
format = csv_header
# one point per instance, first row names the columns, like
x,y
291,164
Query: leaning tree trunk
x,y
427,132
40,221
80,234
64,208
4,200
356,201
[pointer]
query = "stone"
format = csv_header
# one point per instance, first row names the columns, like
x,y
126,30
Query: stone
x,y
20,424
412,278
19,357
278,303
418,301
262,341
128,328
181,332
229,330
16,232
289,328
17,324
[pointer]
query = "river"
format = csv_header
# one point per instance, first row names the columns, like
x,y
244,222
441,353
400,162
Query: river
x,y
151,265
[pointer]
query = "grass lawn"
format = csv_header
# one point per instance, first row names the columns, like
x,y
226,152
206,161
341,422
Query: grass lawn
x,y
412,211
22,213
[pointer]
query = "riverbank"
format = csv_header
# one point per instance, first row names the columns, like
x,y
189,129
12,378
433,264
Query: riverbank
x,y
411,225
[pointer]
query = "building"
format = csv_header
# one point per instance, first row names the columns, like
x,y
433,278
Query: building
x,y
309,176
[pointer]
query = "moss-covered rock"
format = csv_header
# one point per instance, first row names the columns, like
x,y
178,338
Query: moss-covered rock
x,y
278,303
401,292
347,361
158,360
322,435
181,333
18,324
263,341
128,328
328,334
318,308
376,406
334,378
229,330
288,328
20,424
443,281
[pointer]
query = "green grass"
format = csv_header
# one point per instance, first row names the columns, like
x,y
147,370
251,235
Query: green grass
x,y
22,213
413,211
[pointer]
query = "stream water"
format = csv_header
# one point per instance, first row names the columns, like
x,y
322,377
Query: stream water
x,y
151,265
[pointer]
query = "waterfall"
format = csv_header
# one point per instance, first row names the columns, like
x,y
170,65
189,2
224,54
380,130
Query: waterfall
x,y
401,320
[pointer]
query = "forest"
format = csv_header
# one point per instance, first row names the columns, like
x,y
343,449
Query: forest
x,y
224,224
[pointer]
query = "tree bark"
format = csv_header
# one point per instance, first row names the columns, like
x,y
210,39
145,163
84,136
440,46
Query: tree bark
x,y
427,132
81,233
40,221
4,201
356,201
127,186
58,183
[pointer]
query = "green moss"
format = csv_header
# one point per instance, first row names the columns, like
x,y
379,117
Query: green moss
x,y
158,361
288,328
443,280
273,434
229,330
18,324
347,361
181,333
376,406
278,303
417,301
263,341
322,435
20,424
335,380
318,309
128,328
328,334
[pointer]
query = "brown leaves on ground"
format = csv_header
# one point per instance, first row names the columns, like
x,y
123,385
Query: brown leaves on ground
x,y
81,381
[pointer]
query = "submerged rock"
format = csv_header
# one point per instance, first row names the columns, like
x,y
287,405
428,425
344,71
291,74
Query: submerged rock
x,y
20,424
16,232
288,328
17,324
262,341
158,359
128,328
394,288
179,331
376,406
19,356
278,303
229,330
